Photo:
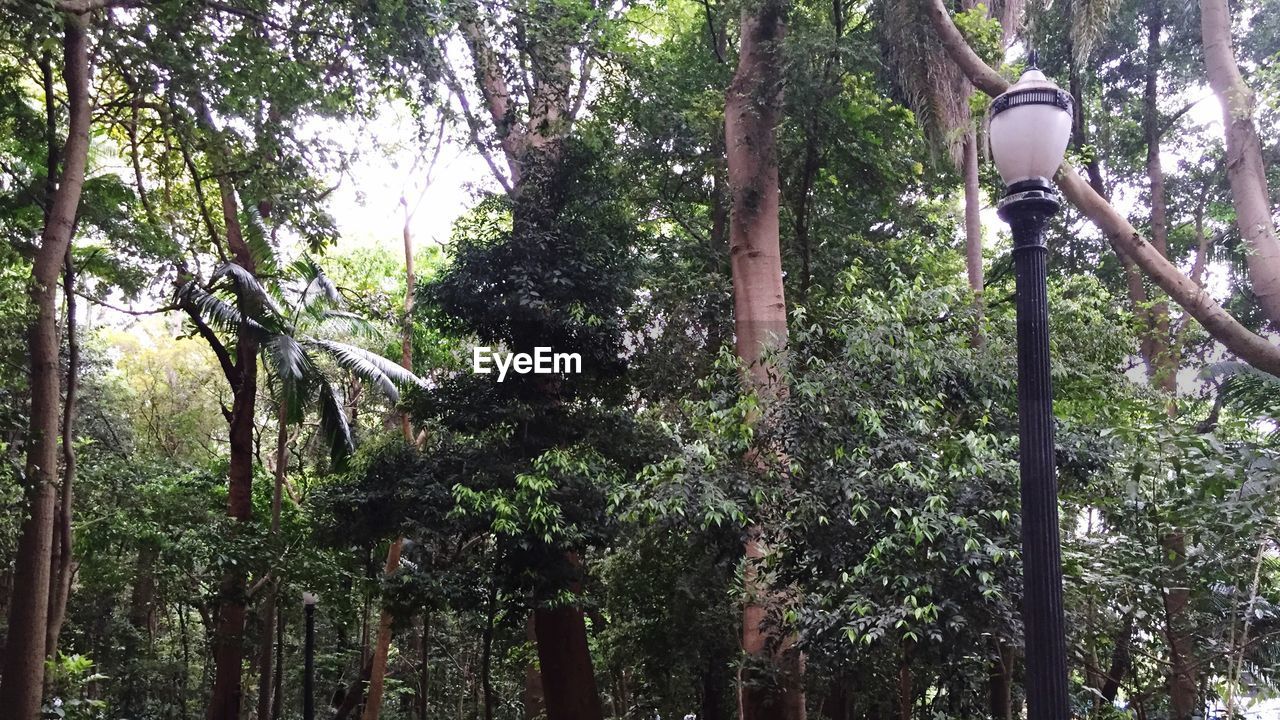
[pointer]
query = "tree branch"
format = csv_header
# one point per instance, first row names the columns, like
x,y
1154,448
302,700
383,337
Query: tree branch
x,y
220,350
1247,345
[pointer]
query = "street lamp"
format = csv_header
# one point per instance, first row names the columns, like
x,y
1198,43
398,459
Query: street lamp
x,y
1030,129
309,600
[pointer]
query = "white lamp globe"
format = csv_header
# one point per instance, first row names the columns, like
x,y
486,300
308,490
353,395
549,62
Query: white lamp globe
x,y
1030,128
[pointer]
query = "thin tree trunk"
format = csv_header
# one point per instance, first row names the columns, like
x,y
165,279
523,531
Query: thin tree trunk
x,y
63,566
278,684
1183,677
1000,684
1246,172
1121,661
973,230
1158,351
801,205
269,596
424,656
486,659
377,677
22,681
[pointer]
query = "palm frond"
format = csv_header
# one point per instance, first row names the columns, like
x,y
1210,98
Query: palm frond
x,y
318,284
258,238
1088,22
384,373
334,428
936,90
349,323
246,282
289,362
217,312
1246,389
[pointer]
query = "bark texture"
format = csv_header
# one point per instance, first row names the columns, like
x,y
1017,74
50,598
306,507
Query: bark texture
x,y
23,676
1246,172
771,685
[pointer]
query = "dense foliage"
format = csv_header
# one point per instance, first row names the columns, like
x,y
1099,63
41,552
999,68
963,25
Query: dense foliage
x,y
258,406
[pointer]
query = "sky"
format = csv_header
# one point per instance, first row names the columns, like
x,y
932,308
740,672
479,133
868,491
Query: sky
x,y
393,161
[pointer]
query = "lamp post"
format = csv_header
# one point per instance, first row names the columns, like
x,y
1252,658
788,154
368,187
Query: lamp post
x,y
309,600
1030,128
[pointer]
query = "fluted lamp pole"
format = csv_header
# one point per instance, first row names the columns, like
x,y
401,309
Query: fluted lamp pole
x,y
1030,129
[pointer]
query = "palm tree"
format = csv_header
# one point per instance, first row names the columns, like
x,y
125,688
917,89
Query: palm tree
x,y
298,350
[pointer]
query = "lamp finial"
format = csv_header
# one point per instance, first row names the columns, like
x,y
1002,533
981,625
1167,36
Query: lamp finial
x,y
1033,60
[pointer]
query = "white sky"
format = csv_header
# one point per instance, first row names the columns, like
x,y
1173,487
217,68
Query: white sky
x,y
392,160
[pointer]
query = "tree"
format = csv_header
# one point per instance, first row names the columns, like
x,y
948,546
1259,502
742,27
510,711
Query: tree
x,y
23,675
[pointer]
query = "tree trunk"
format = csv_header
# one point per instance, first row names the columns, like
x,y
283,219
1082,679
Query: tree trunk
x,y
269,596
1246,172
378,674
1121,661
568,679
1183,668
973,229
1157,347
486,659
377,679
62,567
22,681
228,655
760,323
423,698
906,695
1000,684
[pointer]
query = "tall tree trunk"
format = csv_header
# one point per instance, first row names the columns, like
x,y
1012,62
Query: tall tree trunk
x,y
1184,693
1157,347
1000,684
973,229
422,706
378,677
382,645
568,677
752,108
228,654
62,567
1246,172
1121,661
486,652
906,694
269,594
22,681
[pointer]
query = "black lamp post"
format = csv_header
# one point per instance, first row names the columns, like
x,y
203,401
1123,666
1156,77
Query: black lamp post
x,y
309,658
1030,128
